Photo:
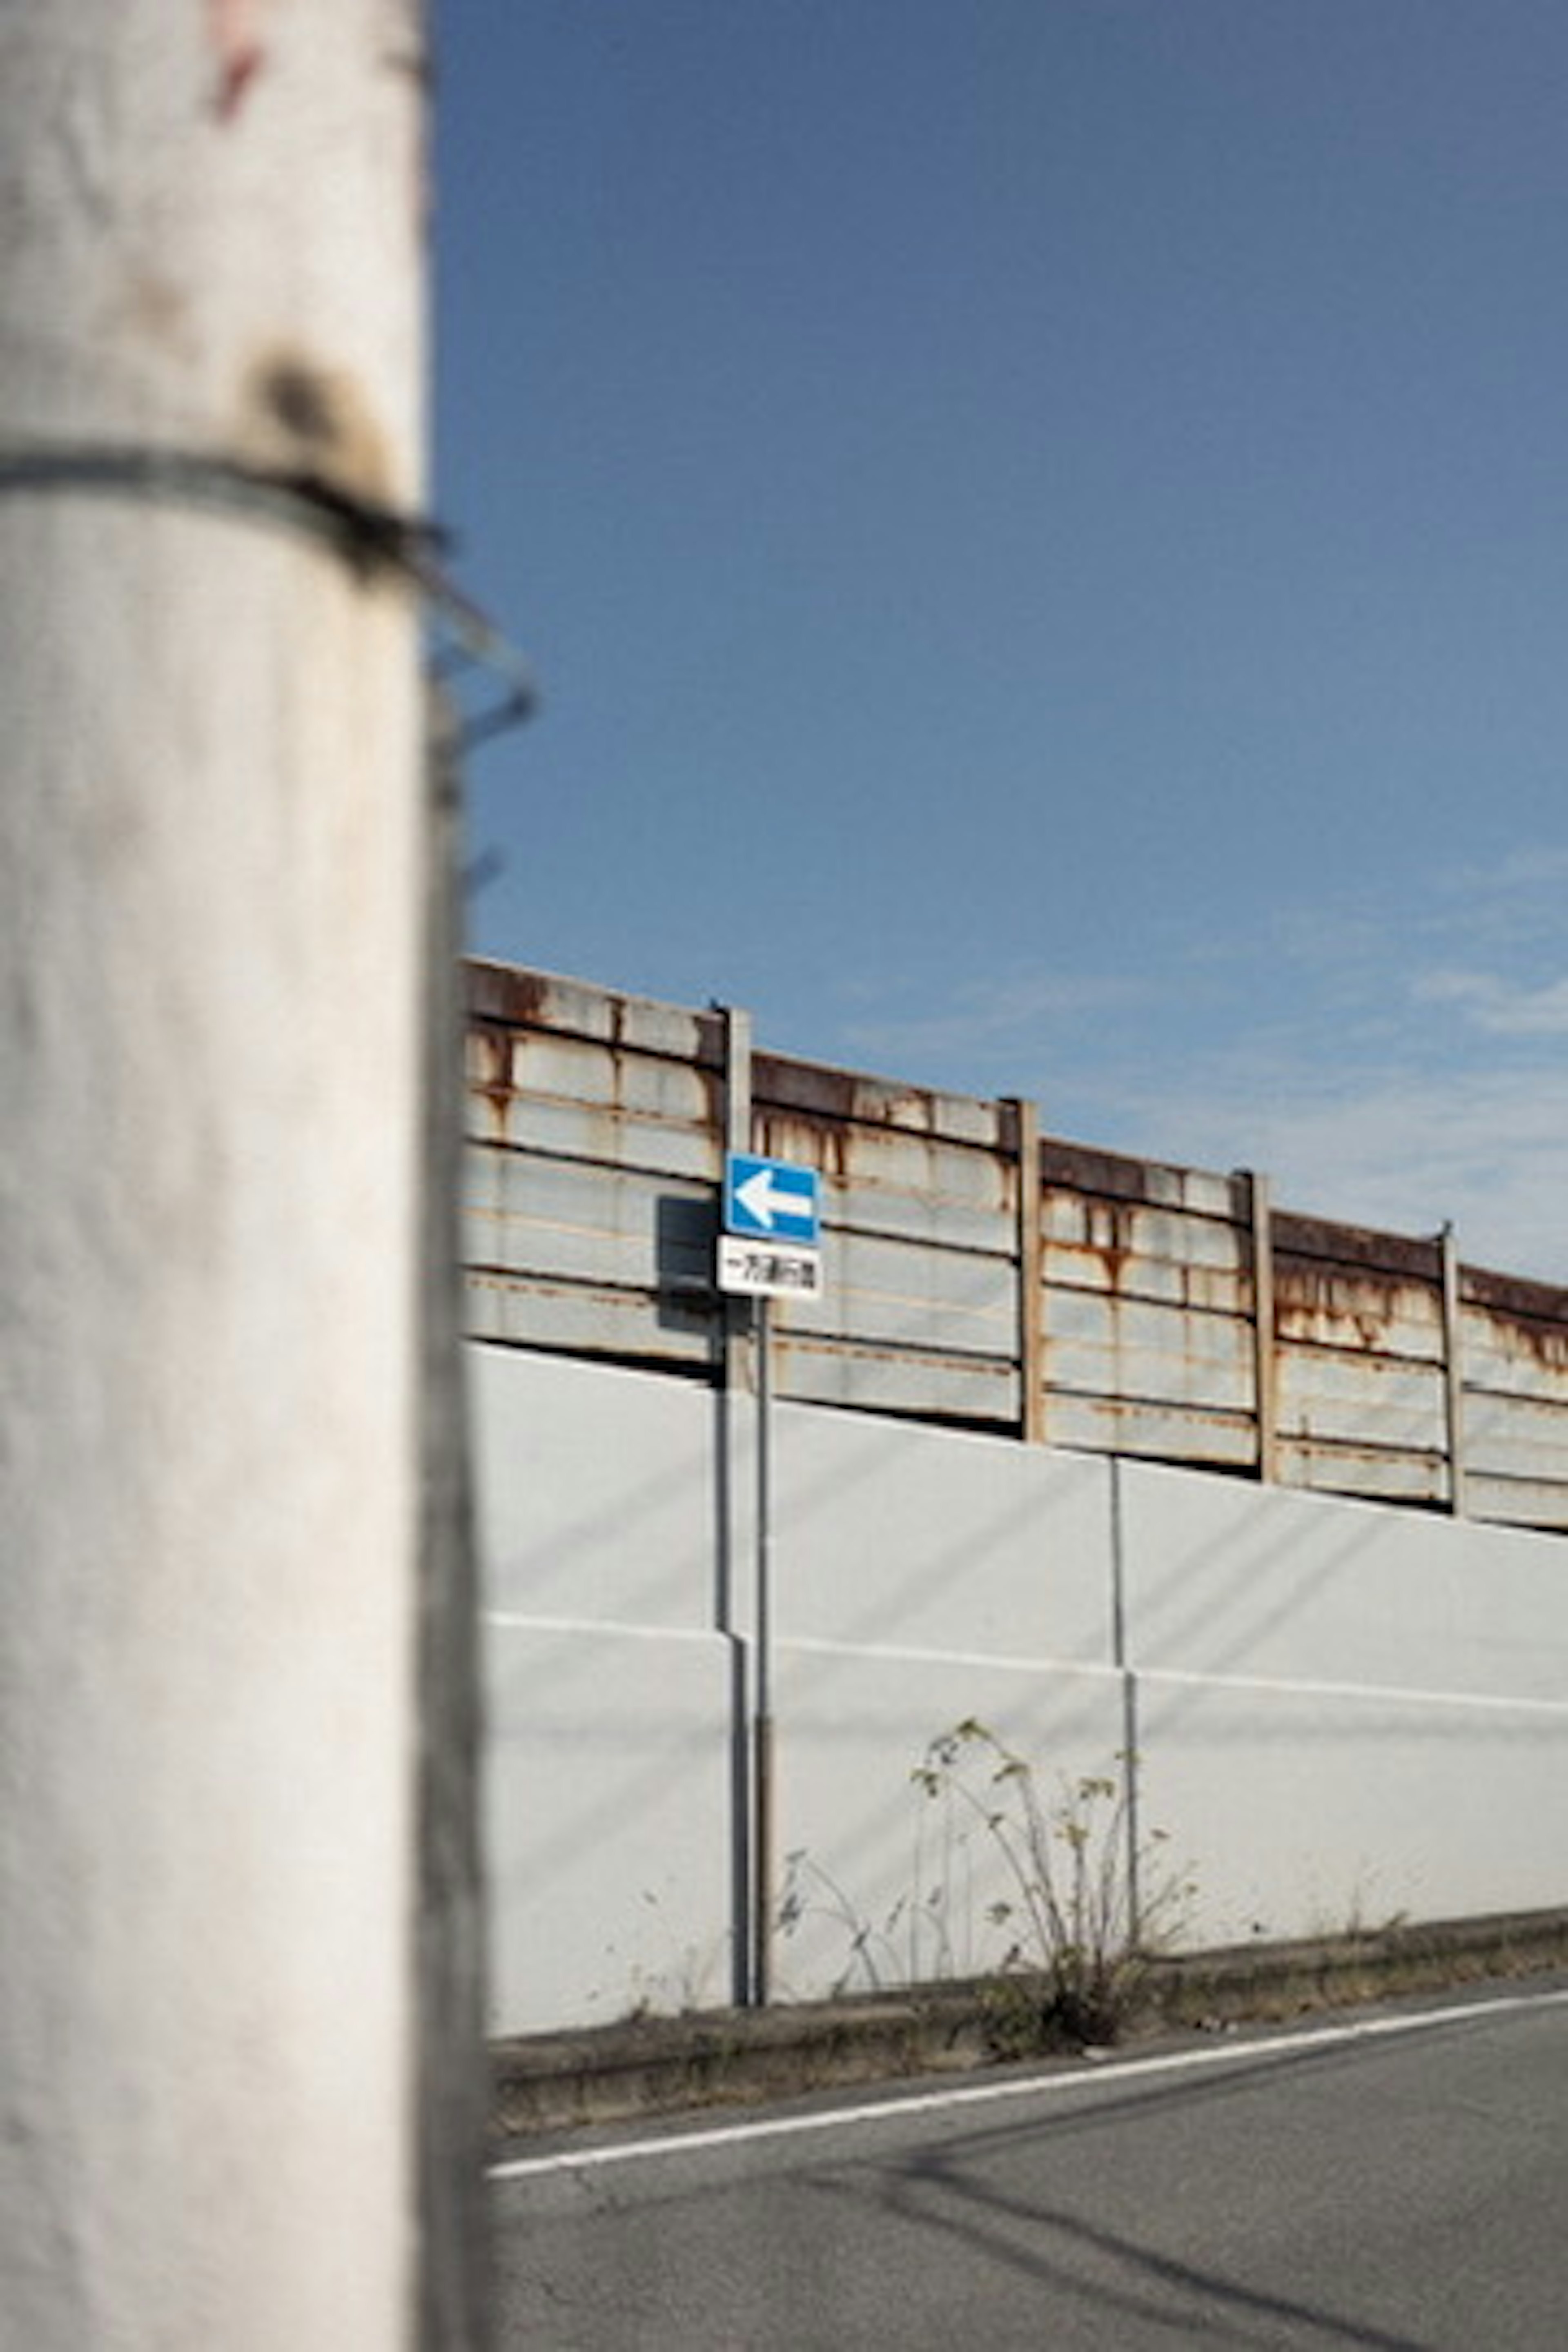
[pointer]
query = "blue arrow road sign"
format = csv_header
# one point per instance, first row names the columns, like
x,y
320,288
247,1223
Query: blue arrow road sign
x,y
771,1198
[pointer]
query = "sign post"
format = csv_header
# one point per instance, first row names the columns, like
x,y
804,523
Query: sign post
x,y
768,1249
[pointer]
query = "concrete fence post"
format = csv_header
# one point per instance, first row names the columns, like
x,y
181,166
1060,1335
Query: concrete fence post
x,y
1453,1369
1265,1334
1025,1123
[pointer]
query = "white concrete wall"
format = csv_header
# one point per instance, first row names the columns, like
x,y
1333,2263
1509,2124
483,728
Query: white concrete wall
x,y
921,1576
609,1809
1340,1711
1345,1712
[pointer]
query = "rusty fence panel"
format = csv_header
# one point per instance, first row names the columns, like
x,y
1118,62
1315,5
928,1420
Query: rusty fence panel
x,y
1361,1361
1129,1306
595,1153
919,1312
1147,1310
1515,1367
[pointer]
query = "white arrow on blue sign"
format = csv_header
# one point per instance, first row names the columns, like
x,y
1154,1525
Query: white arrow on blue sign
x,y
771,1198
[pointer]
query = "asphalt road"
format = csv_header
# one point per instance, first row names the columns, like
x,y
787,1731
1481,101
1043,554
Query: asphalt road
x,y
1399,2181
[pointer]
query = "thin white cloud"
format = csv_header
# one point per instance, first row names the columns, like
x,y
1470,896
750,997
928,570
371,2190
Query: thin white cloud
x,y
1536,866
981,1023
1498,1006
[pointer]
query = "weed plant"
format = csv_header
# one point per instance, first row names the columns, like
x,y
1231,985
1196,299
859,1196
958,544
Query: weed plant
x,y
1090,1902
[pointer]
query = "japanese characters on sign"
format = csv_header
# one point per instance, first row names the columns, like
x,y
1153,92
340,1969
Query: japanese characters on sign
x,y
768,1269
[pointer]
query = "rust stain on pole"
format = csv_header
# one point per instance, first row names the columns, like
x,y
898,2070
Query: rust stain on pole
x,y
298,412
233,30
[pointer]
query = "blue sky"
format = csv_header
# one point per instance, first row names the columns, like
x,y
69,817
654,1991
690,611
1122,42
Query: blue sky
x,y
1043,525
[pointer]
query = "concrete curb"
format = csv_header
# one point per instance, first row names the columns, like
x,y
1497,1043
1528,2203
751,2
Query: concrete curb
x,y
662,2065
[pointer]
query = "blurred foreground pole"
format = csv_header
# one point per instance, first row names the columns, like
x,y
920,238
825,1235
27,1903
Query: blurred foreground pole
x,y
216,1416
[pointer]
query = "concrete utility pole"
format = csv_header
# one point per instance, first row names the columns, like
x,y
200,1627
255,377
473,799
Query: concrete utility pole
x,y
212,1416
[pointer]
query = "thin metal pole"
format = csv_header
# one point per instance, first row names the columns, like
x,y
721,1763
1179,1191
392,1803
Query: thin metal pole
x,y
737,1077
737,1596
763,1795
1131,1758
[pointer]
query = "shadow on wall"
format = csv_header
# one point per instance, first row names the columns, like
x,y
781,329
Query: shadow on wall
x,y
686,1232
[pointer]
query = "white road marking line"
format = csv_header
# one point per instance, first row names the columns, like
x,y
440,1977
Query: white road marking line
x,y
974,2094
